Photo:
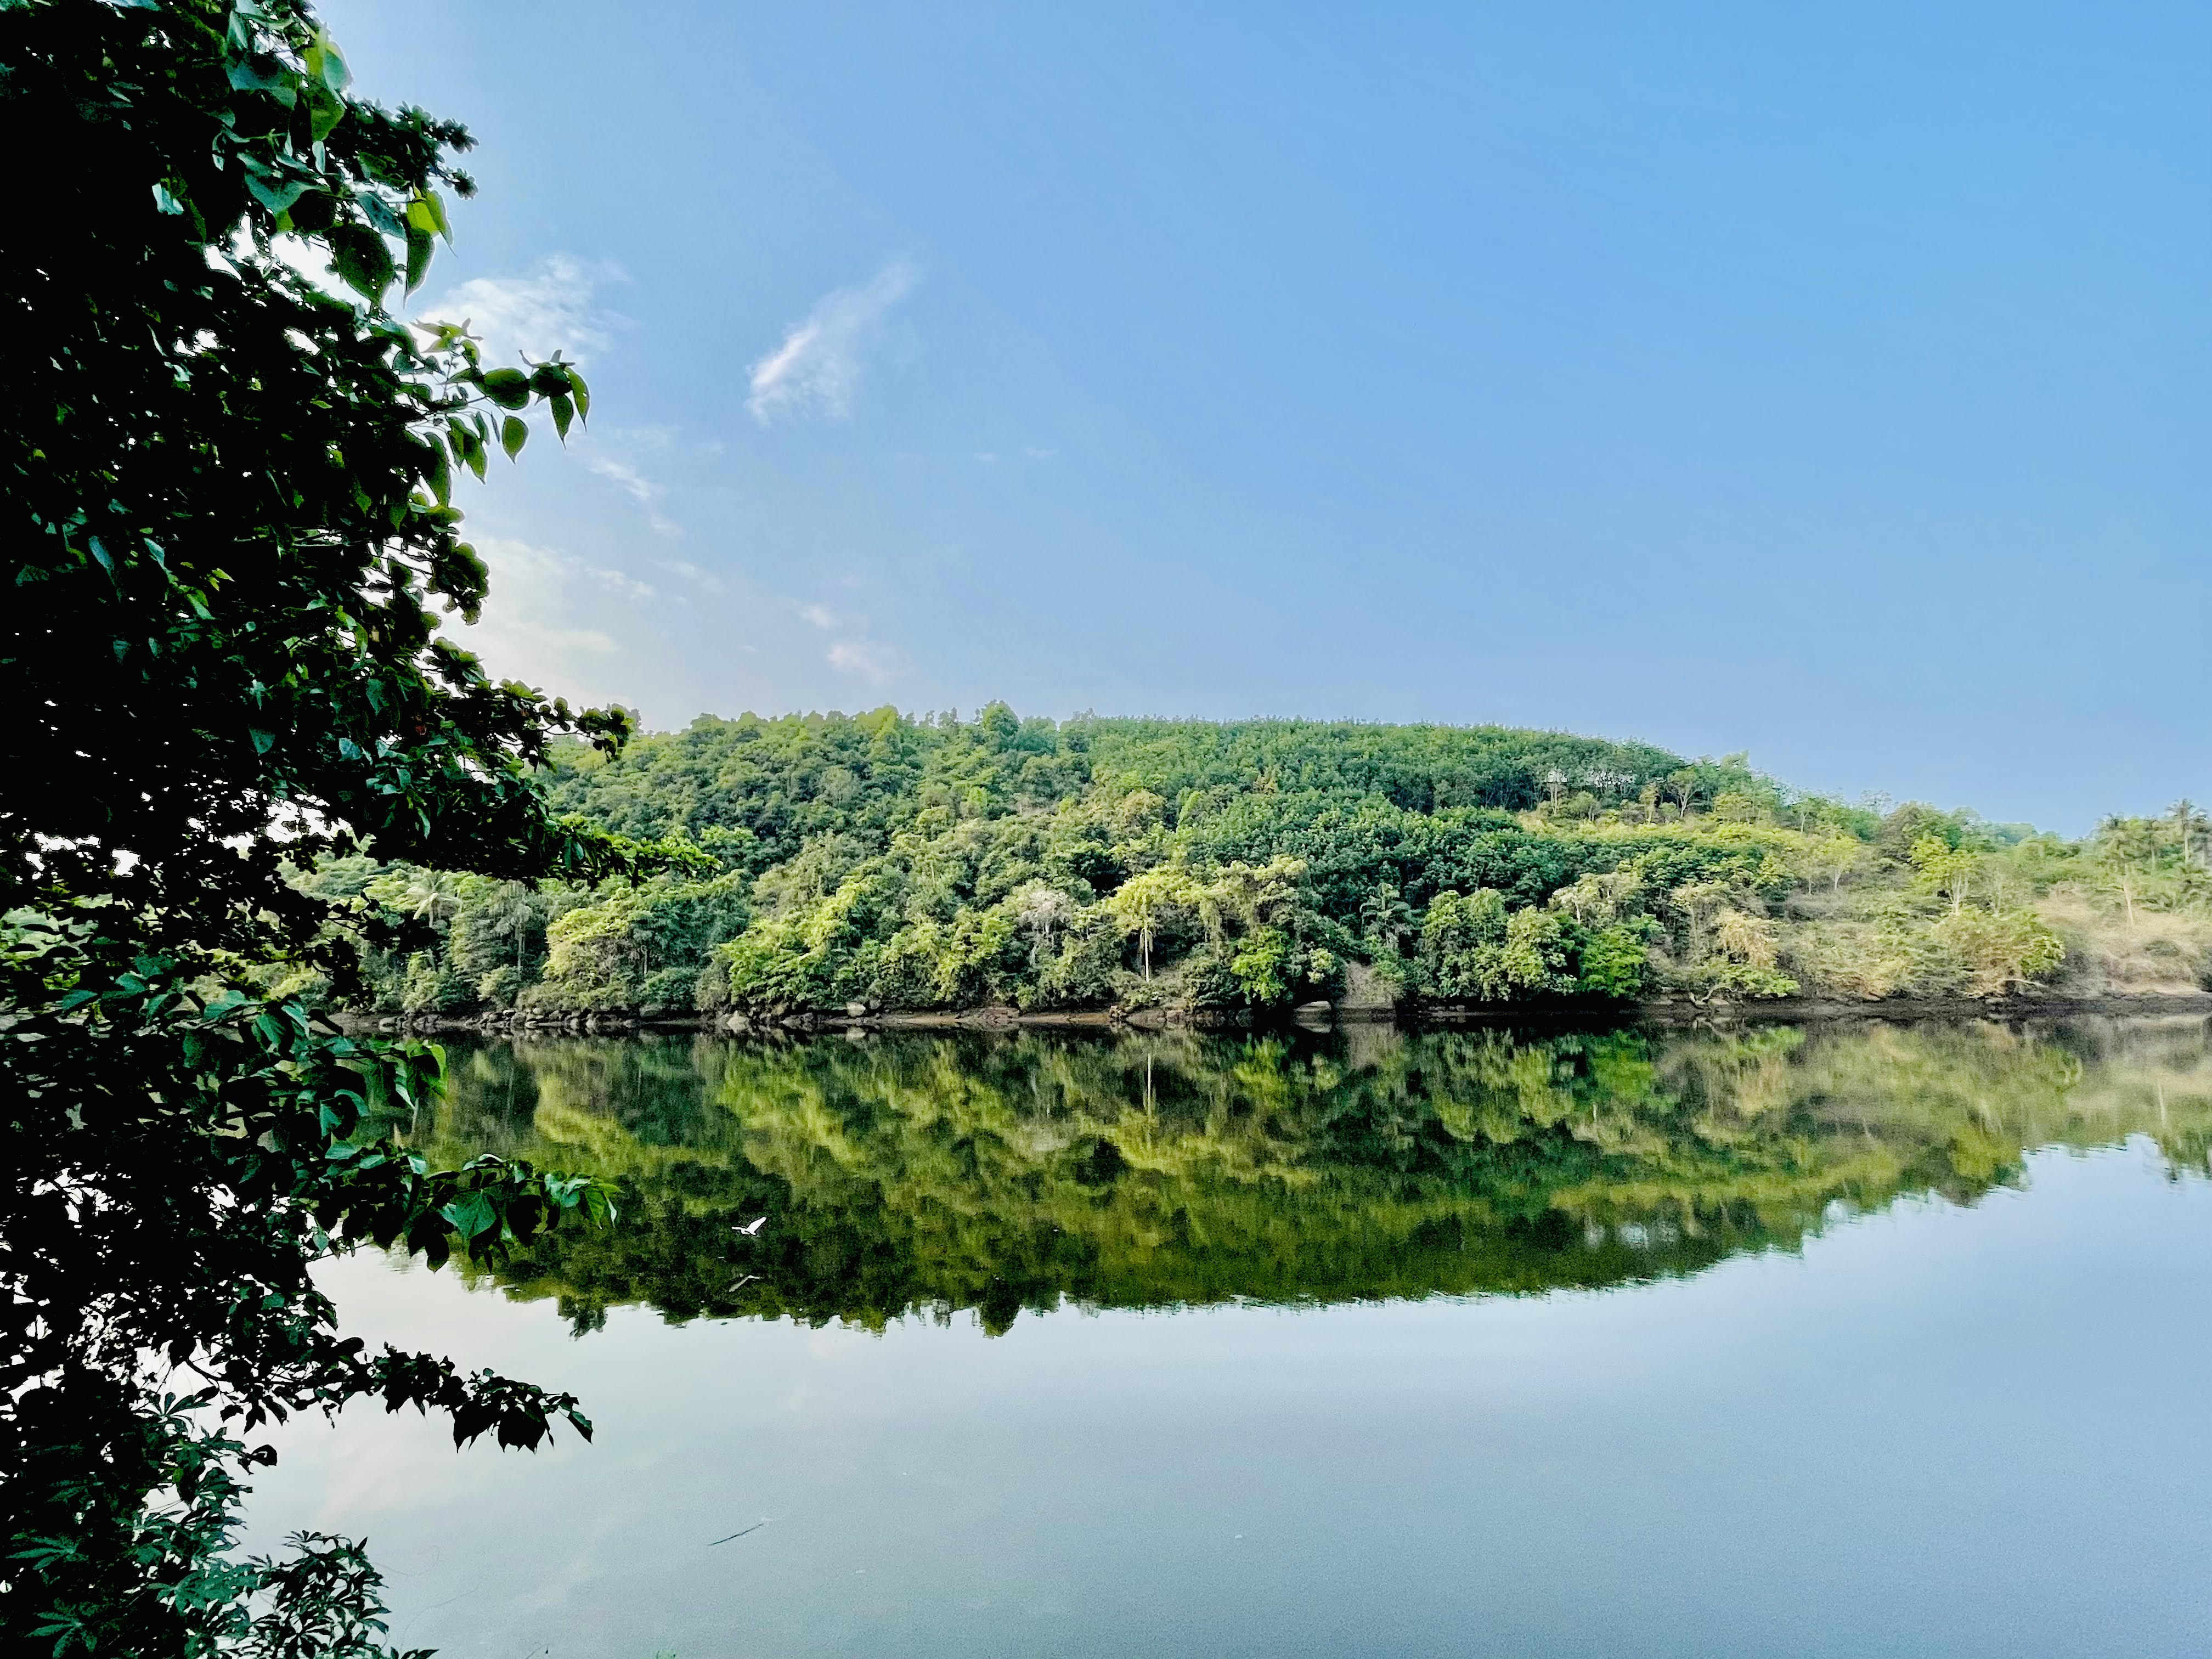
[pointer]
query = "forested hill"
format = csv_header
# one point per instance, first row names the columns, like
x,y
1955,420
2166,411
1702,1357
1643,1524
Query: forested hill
x,y
896,862
783,780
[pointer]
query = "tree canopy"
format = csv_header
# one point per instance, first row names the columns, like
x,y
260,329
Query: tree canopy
x,y
228,471
934,862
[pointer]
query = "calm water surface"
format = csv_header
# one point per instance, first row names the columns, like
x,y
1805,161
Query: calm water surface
x,y
1854,1341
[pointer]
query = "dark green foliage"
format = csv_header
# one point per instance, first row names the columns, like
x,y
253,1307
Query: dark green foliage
x,y
230,540
1614,962
786,779
941,863
1472,950
1419,768
938,863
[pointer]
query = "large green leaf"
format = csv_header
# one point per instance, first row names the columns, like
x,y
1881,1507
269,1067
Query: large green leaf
x,y
507,387
362,259
420,245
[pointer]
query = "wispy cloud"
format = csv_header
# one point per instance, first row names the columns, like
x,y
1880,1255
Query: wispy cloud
x,y
855,654
692,573
643,490
541,624
817,367
615,454
865,658
551,309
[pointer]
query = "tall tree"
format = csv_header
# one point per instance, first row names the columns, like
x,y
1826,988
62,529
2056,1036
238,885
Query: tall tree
x,y
2191,828
229,541
2128,848
1945,869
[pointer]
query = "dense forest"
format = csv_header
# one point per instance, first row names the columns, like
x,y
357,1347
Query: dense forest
x,y
883,862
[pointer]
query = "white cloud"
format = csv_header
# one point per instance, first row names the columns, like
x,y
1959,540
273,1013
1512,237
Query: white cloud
x,y
551,309
692,573
539,622
641,489
610,451
820,614
865,658
817,367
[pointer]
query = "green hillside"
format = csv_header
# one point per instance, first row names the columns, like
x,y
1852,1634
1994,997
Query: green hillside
x,y
897,862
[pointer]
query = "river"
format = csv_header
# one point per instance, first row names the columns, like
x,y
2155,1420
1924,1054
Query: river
x,y
1862,1339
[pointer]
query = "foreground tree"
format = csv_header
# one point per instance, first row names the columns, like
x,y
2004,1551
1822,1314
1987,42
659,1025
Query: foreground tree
x,y
228,539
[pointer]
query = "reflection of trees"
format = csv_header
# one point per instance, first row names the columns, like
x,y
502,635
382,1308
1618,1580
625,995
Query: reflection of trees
x,y
934,1173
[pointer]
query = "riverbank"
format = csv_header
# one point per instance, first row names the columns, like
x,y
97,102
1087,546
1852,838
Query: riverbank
x,y
1660,1011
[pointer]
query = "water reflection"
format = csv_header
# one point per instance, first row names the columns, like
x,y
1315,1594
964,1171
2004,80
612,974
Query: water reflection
x,y
903,1174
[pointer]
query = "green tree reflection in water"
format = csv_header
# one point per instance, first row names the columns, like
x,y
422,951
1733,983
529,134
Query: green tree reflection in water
x,y
905,1174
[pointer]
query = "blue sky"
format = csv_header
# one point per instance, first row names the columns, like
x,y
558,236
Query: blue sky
x,y
1833,383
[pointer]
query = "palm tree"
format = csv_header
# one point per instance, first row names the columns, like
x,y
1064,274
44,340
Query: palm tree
x,y
510,915
1143,901
2190,828
430,895
1144,913
1386,917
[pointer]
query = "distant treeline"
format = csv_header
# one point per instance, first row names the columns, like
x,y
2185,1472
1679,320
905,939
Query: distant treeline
x,y
890,862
